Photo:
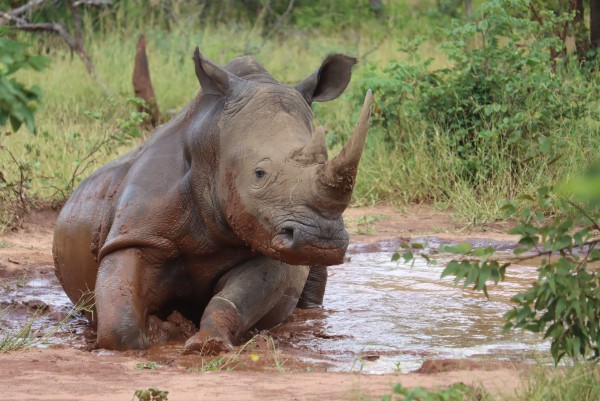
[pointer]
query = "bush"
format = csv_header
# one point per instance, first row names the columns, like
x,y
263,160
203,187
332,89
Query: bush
x,y
500,94
17,102
17,106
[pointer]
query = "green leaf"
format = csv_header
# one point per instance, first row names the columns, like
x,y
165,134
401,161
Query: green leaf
x,y
462,249
484,253
15,122
520,251
451,269
563,242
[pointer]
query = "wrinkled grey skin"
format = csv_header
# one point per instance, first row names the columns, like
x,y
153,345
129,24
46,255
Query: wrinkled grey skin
x,y
218,215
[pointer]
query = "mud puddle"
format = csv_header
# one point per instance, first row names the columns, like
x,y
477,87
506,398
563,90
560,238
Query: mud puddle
x,y
379,317
34,310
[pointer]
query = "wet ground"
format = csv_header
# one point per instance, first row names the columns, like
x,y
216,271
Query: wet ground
x,y
379,316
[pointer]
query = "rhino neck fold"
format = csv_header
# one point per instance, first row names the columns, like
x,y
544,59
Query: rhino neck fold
x,y
202,147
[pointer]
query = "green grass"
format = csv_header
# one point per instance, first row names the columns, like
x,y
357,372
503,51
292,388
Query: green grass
x,y
230,362
146,365
365,224
28,335
579,382
67,133
152,394
415,166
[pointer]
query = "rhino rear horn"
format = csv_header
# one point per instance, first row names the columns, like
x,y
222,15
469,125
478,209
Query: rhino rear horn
x,y
329,81
213,79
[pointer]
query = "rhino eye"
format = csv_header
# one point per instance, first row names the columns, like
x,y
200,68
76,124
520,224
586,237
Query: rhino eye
x,y
259,173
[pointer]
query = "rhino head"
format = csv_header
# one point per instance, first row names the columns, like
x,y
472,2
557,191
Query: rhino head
x,y
274,184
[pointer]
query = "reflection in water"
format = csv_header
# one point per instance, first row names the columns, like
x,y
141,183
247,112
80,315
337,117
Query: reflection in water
x,y
396,315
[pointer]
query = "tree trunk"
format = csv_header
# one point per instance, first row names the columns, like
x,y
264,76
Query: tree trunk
x,y
580,31
595,24
469,8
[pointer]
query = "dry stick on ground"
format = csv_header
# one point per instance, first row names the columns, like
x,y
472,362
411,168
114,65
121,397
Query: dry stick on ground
x,y
75,43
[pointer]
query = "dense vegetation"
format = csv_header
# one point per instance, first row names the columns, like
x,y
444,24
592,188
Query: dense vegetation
x,y
472,109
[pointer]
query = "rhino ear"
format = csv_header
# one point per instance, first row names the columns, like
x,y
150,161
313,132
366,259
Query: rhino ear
x,y
329,81
213,79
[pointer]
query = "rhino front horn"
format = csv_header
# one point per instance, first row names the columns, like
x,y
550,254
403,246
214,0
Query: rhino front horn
x,y
340,172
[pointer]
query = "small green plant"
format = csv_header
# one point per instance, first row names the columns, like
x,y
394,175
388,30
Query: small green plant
x,y
358,365
27,336
146,365
22,280
232,362
152,394
217,364
455,392
365,224
229,363
278,363
23,337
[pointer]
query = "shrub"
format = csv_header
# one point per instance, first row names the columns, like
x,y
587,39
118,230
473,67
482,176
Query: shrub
x,y
500,94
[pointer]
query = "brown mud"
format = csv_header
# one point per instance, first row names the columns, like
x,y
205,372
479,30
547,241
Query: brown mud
x,y
286,363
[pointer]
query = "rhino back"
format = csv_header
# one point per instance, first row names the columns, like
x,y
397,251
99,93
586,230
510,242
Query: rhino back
x,y
124,203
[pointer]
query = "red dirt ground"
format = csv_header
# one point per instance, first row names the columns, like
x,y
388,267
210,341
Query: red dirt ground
x,y
64,373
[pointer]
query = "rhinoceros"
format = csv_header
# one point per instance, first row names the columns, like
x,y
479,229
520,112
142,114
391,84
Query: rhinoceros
x,y
229,214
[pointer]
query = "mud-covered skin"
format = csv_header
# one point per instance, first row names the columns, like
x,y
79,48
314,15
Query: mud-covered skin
x,y
216,216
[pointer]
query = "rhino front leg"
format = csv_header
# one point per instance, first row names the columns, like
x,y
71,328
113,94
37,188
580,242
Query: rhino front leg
x,y
261,292
314,289
120,301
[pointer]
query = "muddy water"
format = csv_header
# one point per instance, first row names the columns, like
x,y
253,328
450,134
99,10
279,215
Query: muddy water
x,y
382,316
379,316
36,298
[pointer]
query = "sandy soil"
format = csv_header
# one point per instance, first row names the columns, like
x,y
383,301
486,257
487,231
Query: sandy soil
x,y
64,373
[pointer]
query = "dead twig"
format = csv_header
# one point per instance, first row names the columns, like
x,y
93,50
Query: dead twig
x,y
92,3
376,46
26,7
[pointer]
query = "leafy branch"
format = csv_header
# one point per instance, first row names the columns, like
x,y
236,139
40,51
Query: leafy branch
x,y
14,19
564,302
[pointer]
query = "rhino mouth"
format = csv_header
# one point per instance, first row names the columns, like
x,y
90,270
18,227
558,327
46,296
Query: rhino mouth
x,y
302,244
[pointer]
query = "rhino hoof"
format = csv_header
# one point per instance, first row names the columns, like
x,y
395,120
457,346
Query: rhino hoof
x,y
204,345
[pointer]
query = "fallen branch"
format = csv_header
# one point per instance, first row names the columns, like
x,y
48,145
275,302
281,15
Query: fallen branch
x,y
92,3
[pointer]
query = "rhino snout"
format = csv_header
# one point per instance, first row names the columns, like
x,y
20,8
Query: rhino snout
x,y
324,244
